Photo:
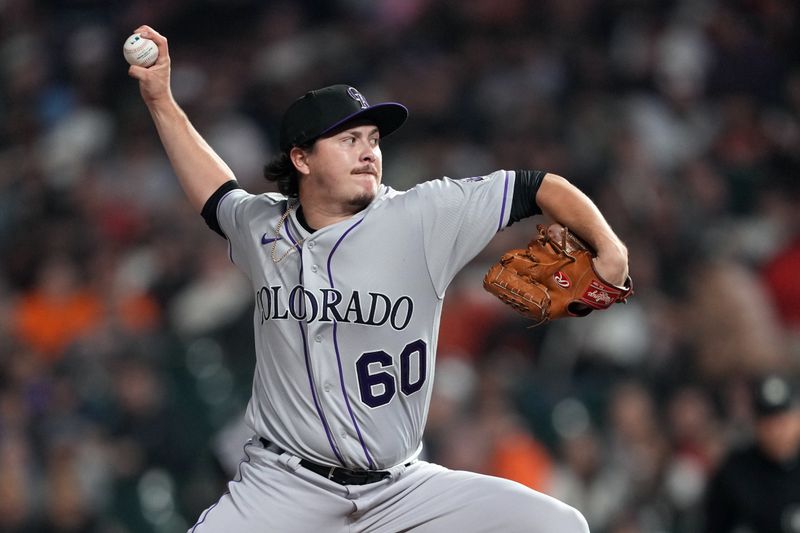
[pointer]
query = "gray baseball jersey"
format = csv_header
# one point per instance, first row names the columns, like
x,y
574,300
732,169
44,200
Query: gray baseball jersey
x,y
346,320
346,323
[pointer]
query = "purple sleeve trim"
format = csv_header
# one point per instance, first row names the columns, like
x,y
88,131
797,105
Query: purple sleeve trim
x,y
505,196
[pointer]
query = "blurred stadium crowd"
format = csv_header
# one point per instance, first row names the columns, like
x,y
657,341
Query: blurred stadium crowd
x,y
125,334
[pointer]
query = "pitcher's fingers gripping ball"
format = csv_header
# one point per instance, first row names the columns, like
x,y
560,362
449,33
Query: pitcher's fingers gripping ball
x,y
140,51
554,277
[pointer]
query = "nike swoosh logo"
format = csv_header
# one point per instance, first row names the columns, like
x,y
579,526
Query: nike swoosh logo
x,y
267,240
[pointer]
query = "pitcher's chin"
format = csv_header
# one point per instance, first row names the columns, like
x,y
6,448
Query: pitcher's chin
x,y
364,197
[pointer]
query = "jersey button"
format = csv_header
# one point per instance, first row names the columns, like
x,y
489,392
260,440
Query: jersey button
x,y
327,387
310,244
318,338
314,268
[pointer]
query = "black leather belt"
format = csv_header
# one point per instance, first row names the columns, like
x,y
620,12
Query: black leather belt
x,y
342,476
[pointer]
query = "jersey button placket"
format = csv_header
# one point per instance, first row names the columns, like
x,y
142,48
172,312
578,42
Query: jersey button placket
x,y
316,332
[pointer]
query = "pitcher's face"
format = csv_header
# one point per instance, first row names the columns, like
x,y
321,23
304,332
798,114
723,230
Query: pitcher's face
x,y
345,168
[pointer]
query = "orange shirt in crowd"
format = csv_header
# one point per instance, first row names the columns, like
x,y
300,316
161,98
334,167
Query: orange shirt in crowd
x,y
50,324
521,458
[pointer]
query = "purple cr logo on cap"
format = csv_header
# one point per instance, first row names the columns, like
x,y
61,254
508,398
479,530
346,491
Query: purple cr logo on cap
x,y
355,95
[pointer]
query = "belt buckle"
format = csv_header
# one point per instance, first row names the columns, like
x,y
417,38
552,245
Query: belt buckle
x,y
331,472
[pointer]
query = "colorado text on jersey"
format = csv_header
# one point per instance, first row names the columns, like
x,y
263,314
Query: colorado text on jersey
x,y
375,309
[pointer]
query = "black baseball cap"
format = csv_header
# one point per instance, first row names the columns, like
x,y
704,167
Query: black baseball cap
x,y
323,110
773,394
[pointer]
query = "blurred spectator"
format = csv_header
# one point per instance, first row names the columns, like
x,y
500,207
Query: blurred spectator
x,y
216,296
757,488
640,452
586,481
779,275
17,481
697,442
59,309
484,435
782,200
731,322
514,451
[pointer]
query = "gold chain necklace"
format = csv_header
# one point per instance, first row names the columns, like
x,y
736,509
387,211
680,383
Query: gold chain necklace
x,y
282,220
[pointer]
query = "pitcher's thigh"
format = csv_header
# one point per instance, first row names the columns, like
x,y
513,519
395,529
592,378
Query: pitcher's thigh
x,y
266,497
465,502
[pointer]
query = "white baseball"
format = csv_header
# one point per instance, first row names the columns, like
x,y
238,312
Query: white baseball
x,y
140,51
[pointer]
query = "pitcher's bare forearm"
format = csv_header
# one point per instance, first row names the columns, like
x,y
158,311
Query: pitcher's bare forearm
x,y
199,169
566,204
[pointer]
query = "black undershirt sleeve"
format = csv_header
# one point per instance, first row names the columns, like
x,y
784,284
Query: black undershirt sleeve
x,y
526,185
209,211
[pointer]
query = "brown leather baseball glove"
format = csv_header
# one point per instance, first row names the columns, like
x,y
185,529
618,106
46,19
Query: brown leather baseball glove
x,y
552,278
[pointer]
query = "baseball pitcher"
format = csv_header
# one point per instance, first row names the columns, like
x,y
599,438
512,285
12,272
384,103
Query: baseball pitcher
x,y
348,277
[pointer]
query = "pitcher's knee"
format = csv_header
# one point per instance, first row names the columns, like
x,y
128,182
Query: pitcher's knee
x,y
520,509
560,518
580,524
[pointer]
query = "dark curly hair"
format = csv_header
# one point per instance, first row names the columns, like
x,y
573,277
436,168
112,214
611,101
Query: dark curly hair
x,y
281,170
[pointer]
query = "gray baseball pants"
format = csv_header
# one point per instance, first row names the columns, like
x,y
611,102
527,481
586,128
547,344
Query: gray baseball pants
x,y
272,492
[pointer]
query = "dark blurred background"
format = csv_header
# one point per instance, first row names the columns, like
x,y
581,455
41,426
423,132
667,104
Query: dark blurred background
x,y
126,348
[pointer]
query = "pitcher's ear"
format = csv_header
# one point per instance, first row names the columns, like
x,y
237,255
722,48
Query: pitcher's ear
x,y
299,158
